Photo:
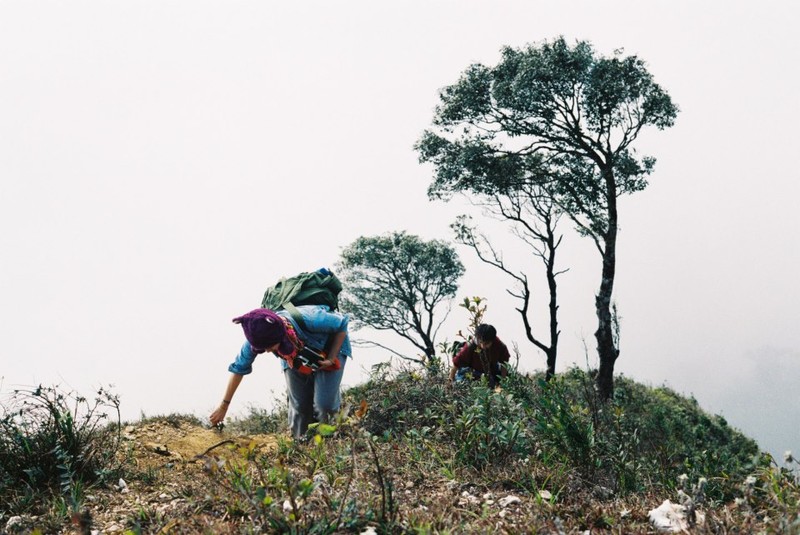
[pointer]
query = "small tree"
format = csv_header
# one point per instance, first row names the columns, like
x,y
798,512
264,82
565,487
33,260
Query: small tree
x,y
399,282
535,219
565,119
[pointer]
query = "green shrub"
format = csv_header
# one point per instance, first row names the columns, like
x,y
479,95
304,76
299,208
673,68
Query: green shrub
x,y
648,437
489,428
406,400
261,421
56,442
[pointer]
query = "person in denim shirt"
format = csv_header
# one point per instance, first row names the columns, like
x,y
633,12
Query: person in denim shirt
x,y
312,395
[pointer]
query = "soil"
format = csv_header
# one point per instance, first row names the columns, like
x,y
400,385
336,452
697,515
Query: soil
x,y
166,461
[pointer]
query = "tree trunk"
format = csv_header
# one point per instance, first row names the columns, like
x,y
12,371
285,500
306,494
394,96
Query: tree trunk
x,y
606,350
552,351
551,364
431,360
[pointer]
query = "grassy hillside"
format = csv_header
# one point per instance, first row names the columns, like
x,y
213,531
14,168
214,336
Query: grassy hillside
x,y
410,453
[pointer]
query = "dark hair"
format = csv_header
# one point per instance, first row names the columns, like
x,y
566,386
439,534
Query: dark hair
x,y
485,333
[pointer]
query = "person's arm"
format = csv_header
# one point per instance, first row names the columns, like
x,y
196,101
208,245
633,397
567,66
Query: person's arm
x,y
453,371
463,358
505,359
240,367
219,414
335,324
335,344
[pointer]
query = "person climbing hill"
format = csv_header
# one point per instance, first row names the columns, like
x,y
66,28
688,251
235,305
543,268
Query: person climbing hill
x,y
312,382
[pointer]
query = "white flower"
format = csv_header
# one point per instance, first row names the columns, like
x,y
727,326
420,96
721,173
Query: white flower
x,y
750,481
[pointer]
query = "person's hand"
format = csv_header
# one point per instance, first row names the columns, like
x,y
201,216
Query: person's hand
x,y
218,415
329,364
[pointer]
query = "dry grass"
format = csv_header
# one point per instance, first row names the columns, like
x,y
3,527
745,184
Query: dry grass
x,y
395,473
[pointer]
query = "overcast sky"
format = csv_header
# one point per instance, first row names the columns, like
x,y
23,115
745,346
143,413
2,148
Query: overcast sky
x,y
161,163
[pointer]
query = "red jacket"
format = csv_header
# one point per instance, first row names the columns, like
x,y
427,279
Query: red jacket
x,y
469,357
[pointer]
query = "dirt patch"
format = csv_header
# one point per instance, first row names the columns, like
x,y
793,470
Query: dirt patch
x,y
158,442
168,462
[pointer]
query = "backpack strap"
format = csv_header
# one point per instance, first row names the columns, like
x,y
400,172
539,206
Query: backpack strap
x,y
295,314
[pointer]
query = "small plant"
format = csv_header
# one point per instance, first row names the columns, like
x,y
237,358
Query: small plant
x,y
262,421
489,429
564,427
476,308
54,442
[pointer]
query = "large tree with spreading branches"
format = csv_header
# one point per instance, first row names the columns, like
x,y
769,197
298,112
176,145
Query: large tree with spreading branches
x,y
564,118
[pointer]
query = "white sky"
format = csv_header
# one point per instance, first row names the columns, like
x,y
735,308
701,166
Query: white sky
x,y
161,163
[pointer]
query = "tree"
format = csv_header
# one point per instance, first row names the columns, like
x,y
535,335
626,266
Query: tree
x,y
397,282
535,218
562,118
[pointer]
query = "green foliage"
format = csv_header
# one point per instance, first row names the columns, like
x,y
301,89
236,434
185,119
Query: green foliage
x,y
476,308
680,438
552,115
405,430
645,437
490,429
562,426
404,401
306,487
549,114
52,443
774,488
261,421
174,419
397,282
556,121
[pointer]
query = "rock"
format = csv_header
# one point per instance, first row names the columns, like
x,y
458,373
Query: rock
x,y
160,449
669,517
508,500
14,521
369,531
545,495
467,498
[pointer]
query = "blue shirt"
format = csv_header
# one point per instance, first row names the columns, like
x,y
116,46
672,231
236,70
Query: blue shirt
x,y
320,323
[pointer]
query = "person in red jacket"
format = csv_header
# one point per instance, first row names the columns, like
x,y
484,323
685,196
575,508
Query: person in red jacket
x,y
486,355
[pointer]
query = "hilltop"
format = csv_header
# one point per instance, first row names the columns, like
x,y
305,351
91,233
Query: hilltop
x,y
413,454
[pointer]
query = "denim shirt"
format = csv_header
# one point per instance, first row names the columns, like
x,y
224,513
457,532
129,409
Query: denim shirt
x,y
320,323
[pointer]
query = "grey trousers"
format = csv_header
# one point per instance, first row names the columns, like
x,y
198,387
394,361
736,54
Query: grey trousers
x,y
312,398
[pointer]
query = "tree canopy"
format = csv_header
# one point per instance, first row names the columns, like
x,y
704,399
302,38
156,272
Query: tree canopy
x,y
400,282
560,117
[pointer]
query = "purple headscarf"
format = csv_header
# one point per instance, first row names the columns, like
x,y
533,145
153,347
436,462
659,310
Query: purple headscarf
x,y
263,328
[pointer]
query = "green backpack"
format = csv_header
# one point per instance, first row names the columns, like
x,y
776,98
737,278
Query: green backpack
x,y
319,287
